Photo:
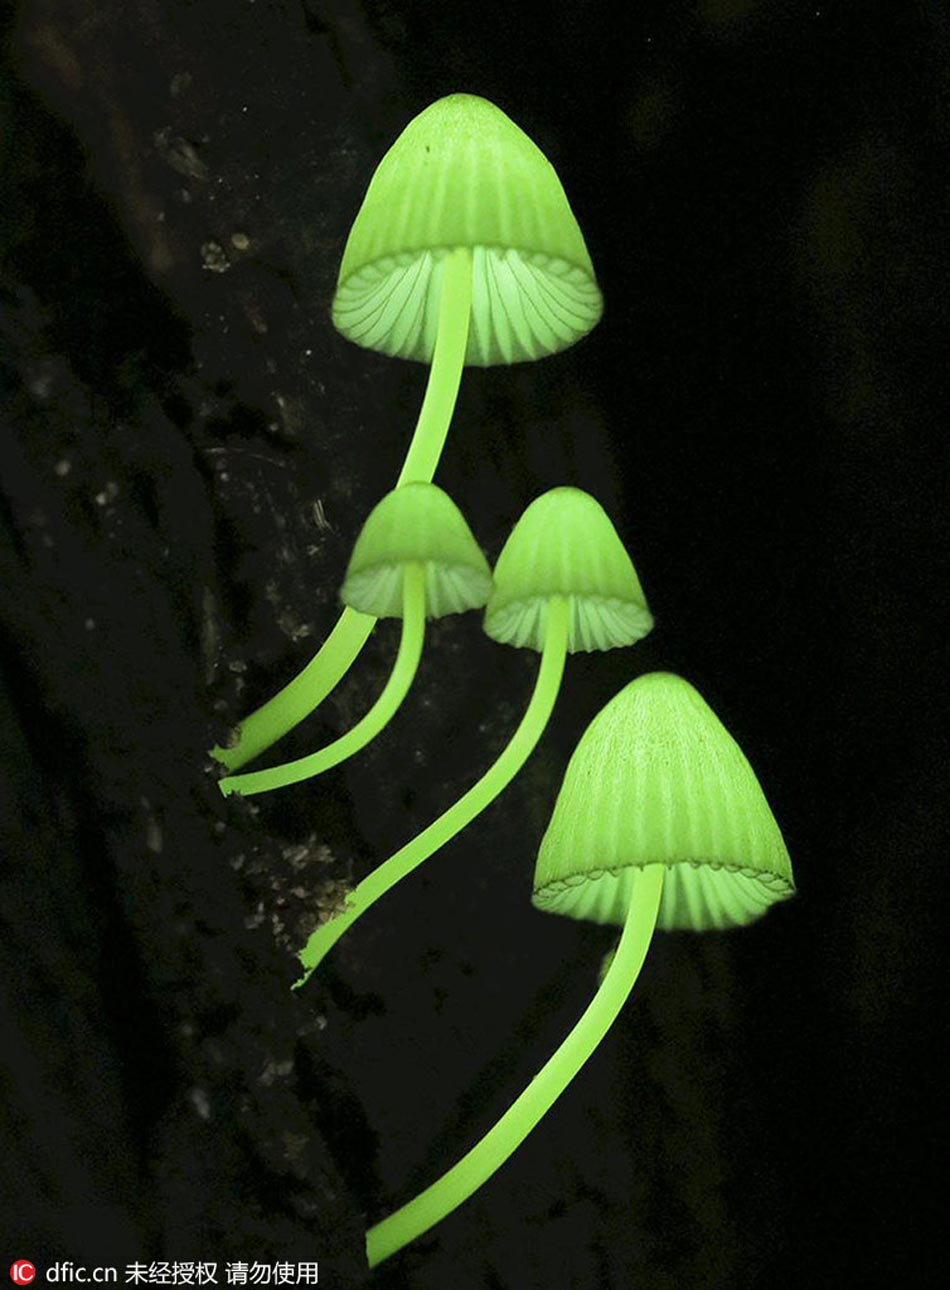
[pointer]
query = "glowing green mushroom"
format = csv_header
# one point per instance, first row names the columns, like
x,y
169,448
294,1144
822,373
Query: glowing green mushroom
x,y
415,558
563,582
660,822
464,251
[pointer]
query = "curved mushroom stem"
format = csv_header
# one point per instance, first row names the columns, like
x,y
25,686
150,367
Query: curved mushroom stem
x,y
268,723
471,804
478,1165
369,726
299,697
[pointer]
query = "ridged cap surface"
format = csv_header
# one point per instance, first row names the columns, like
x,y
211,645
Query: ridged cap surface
x,y
416,523
657,779
565,544
463,174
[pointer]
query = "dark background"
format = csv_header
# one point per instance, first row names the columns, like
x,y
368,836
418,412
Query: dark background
x,y
762,185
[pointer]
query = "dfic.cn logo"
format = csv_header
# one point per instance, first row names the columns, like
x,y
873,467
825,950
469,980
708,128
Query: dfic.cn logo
x,y
22,1272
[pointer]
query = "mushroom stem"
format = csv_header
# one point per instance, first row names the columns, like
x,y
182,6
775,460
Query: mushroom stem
x,y
370,725
478,1165
263,727
471,804
445,375
288,707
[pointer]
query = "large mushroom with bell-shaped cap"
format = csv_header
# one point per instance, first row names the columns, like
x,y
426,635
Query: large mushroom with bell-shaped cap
x,y
660,821
464,237
464,251
563,582
415,558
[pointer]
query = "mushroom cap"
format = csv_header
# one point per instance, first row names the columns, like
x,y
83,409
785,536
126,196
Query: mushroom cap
x,y
416,523
565,544
462,174
657,779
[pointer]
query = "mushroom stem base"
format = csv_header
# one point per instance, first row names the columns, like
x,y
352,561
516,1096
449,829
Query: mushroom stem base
x,y
288,707
372,723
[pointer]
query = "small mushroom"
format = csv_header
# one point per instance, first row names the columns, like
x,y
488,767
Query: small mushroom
x,y
660,821
464,251
563,582
415,558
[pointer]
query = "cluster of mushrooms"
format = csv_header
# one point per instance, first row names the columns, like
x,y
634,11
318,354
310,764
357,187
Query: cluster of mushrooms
x,y
466,252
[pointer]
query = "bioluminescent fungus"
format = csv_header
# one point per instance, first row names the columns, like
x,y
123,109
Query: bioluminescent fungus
x,y
660,822
415,558
563,582
464,251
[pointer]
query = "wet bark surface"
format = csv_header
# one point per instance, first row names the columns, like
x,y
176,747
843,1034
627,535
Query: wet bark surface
x,y
188,452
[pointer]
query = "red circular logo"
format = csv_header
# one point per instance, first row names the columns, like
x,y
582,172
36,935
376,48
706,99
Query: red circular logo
x,y
22,1272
